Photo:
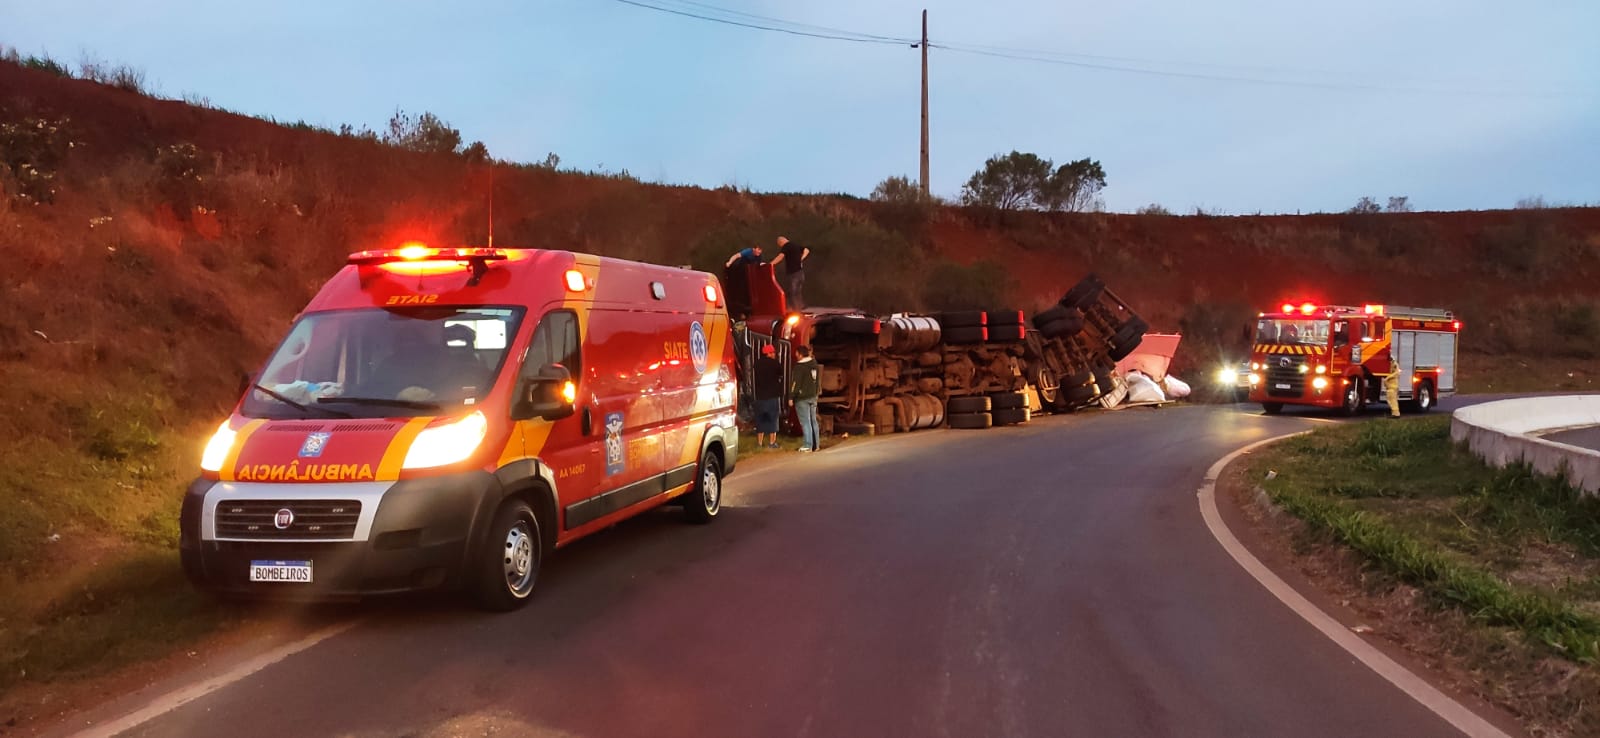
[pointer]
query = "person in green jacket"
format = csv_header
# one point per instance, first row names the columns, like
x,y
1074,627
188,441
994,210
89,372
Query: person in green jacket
x,y
804,386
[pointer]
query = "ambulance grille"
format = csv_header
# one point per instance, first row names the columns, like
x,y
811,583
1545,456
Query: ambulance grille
x,y
362,427
294,427
313,519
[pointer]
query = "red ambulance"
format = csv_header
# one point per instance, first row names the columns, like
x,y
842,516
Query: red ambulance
x,y
447,417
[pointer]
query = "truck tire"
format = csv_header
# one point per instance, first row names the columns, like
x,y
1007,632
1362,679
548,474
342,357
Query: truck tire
x,y
1271,408
974,404
856,325
1352,403
1077,395
1103,382
1084,293
1007,401
1011,416
1007,333
1120,351
1425,398
1133,330
1079,378
1005,317
965,335
962,319
1063,327
506,567
1049,315
971,421
701,504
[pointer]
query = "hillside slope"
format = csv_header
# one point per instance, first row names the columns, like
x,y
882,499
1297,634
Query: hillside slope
x,y
155,251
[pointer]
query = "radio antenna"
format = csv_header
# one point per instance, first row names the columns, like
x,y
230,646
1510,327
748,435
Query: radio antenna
x,y
491,204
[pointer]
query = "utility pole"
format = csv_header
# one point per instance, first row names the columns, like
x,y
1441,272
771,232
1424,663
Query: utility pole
x,y
925,102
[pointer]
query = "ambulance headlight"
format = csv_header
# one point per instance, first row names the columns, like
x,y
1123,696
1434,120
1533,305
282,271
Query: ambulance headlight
x,y
217,448
447,444
1228,376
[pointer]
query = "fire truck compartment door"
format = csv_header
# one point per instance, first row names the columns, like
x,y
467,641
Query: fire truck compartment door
x,y
1438,349
1405,348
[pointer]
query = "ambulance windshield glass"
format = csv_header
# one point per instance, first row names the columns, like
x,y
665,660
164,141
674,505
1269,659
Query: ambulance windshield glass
x,y
1289,332
387,362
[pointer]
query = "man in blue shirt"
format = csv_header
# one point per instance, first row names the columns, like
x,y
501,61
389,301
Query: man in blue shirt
x,y
750,255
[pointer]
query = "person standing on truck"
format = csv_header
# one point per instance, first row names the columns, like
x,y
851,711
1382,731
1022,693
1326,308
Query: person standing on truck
x,y
769,397
750,255
804,386
793,256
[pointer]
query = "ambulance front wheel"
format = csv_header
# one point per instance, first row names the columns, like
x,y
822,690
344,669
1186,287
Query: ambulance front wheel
x,y
507,567
703,502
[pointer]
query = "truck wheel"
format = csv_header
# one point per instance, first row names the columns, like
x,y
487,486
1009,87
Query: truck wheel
x,y
1084,293
1007,401
965,335
702,503
1050,315
971,421
1077,395
1103,383
1011,416
1007,333
1079,378
1005,317
1353,403
1272,408
508,564
1424,400
975,404
962,319
1066,327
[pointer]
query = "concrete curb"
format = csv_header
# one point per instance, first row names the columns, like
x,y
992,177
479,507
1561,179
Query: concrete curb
x,y
1504,432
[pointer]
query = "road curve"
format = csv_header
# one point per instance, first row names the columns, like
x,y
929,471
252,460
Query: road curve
x,y
1050,579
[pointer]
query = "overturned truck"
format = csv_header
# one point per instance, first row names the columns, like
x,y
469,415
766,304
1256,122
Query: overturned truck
x,y
964,369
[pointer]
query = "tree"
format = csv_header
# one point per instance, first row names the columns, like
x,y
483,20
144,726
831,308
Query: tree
x,y
424,133
1019,181
1400,204
1075,187
1366,205
1154,208
477,153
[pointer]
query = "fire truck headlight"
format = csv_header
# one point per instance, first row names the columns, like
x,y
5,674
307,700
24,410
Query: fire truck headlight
x,y
1254,366
1255,379
446,444
217,448
1227,376
1304,368
1322,369
1320,383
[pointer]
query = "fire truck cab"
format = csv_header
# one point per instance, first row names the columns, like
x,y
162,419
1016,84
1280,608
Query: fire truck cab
x,y
1337,356
447,417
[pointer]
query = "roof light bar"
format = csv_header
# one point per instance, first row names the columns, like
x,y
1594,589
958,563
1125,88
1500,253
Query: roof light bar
x,y
419,252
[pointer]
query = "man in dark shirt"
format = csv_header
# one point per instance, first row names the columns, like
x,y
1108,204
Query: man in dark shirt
x,y
793,257
769,396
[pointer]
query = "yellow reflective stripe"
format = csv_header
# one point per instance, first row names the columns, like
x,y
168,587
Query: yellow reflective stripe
x,y
232,460
395,455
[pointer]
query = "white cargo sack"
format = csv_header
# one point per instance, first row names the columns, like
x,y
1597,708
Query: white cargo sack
x,y
1176,387
1143,389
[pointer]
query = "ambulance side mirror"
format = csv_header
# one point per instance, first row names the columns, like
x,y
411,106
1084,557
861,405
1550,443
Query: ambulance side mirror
x,y
550,394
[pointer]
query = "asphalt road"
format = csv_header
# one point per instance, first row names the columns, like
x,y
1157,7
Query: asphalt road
x,y
1045,580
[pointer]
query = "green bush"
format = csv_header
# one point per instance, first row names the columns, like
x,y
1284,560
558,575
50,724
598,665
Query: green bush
x,y
982,286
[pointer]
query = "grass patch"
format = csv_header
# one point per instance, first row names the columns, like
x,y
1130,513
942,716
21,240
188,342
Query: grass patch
x,y
1505,547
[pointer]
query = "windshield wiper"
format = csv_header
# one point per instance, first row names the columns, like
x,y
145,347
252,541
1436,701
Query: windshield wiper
x,y
298,406
384,402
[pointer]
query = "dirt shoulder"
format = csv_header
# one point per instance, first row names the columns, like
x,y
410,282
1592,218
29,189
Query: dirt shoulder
x,y
1504,671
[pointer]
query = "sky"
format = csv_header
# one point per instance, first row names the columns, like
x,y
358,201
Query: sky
x,y
1243,105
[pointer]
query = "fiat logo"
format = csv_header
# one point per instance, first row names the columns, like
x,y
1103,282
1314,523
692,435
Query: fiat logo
x,y
283,519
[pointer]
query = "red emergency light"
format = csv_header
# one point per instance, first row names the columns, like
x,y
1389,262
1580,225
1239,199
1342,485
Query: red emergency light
x,y
1288,307
1307,308
414,251
1372,309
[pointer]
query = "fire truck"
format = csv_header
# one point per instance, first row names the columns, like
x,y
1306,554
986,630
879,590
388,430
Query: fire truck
x,y
962,369
1336,356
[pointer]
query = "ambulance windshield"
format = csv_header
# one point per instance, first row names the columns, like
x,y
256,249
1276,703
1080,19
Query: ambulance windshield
x,y
1292,332
386,363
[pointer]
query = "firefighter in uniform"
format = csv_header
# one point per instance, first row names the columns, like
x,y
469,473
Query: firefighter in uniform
x,y
1391,388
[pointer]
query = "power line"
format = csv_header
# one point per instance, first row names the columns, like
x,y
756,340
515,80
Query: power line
x,y
830,34
1125,65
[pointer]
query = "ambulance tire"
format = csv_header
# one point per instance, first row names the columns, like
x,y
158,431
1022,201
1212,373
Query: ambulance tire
x,y
962,405
1084,293
963,319
507,566
971,421
965,335
1007,401
1271,408
701,504
1011,416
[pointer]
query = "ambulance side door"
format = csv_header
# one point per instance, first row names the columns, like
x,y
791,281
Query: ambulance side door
x,y
575,458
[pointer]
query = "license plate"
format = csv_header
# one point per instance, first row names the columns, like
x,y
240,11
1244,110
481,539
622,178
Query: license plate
x,y
1281,386
298,572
